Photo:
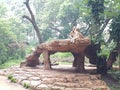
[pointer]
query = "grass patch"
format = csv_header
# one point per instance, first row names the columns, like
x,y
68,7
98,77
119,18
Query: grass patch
x,y
61,55
65,63
26,85
10,63
12,79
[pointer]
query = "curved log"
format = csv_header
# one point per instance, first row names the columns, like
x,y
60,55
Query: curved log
x,y
59,46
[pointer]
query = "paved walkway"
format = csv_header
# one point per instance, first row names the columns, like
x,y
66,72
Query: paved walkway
x,y
60,78
5,84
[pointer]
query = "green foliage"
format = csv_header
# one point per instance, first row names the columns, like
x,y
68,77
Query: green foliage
x,y
112,8
65,63
97,7
10,76
9,37
11,31
6,37
3,9
12,79
98,89
56,18
68,15
47,17
5,33
105,49
115,33
47,34
68,12
29,49
61,55
26,85
9,63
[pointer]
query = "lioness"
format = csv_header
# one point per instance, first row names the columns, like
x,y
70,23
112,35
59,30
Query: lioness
x,y
75,35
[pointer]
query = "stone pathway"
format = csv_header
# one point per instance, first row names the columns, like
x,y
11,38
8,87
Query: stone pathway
x,y
5,84
60,78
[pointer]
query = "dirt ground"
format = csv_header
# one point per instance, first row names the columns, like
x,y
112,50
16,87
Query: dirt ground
x,y
5,84
59,73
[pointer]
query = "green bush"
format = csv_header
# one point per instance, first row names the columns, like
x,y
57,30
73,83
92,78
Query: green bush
x,y
105,49
26,85
28,50
11,78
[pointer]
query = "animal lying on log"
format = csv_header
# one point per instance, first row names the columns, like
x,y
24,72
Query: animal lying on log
x,y
75,35
64,45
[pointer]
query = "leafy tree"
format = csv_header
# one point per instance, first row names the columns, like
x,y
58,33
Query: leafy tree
x,y
115,36
12,31
3,10
6,37
47,17
97,8
68,15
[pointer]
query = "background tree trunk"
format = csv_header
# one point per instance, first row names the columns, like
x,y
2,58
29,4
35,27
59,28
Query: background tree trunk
x,y
113,55
32,20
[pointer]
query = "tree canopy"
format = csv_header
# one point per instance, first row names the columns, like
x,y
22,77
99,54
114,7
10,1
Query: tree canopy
x,y
55,19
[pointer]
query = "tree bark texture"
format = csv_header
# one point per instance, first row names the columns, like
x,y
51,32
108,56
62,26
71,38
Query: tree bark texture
x,y
79,61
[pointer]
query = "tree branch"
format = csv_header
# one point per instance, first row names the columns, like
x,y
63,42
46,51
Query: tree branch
x,y
29,9
27,17
27,1
32,20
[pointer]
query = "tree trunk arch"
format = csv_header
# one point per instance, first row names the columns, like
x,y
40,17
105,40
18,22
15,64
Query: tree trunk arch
x,y
59,46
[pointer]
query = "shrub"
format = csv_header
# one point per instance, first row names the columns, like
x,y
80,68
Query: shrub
x,y
105,49
26,85
11,78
